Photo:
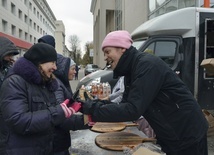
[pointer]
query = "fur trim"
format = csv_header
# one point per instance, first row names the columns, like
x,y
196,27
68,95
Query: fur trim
x,y
28,71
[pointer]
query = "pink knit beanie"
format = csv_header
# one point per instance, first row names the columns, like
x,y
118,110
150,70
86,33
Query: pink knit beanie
x,y
119,38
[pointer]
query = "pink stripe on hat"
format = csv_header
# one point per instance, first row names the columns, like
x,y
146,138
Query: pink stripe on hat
x,y
119,38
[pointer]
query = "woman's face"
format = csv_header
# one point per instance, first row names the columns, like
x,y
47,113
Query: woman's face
x,y
72,72
48,68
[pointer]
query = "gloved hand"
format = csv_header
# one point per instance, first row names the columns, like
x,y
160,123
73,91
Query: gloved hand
x,y
75,106
68,112
89,106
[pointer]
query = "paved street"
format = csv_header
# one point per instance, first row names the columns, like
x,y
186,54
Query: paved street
x,y
74,83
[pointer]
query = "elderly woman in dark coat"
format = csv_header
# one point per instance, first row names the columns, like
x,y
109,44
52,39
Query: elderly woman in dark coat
x,y
28,108
64,73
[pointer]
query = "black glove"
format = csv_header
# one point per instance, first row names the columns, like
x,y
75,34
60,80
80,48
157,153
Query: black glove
x,y
88,107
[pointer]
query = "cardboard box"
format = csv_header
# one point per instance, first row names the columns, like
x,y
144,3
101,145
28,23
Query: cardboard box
x,y
208,64
209,117
142,150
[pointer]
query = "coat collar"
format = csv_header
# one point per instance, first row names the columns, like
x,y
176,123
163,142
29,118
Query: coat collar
x,y
125,63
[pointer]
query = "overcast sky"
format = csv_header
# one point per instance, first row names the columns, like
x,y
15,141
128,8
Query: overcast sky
x,y
77,18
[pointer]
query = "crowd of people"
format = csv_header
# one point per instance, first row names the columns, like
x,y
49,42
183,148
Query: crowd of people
x,y
37,109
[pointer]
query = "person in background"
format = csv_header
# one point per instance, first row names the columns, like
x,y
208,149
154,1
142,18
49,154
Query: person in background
x,y
48,39
117,92
77,72
154,91
65,73
7,51
28,108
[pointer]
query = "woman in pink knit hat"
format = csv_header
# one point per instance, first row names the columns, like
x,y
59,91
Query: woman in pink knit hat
x,y
154,91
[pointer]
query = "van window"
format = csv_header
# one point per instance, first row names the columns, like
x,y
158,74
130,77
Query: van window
x,y
137,44
163,49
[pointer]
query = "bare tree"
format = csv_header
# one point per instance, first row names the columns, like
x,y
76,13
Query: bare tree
x,y
86,58
75,47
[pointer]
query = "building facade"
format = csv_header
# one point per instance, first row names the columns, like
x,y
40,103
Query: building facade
x,y
128,15
24,21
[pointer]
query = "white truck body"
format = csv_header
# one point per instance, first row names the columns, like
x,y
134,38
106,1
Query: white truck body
x,y
183,39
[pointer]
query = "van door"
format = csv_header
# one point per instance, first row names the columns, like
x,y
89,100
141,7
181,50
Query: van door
x,y
168,49
206,48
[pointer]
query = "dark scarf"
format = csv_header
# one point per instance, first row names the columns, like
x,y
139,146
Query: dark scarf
x,y
124,66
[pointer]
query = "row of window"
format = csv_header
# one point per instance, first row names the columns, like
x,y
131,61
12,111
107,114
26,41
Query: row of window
x,y
17,32
159,7
20,14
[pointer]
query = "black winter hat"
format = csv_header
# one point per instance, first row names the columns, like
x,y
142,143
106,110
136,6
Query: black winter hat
x,y
48,39
41,53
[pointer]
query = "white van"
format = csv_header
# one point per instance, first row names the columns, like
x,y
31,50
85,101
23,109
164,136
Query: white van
x,y
183,38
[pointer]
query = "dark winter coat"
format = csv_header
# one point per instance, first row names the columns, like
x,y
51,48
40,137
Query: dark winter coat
x,y
154,91
28,112
6,47
62,140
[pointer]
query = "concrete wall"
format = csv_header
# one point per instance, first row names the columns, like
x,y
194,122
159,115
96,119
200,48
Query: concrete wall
x,y
134,13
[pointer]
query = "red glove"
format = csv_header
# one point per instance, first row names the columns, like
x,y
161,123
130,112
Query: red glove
x,y
68,112
75,107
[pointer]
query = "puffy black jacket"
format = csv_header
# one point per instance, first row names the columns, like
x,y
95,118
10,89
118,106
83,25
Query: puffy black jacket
x,y
62,140
153,90
28,112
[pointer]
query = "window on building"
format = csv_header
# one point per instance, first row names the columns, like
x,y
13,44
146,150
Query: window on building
x,y
38,28
118,15
160,2
25,1
152,5
34,10
20,34
30,22
30,5
26,19
13,30
38,14
159,7
26,35
13,9
4,3
4,26
30,38
34,40
20,14
34,26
